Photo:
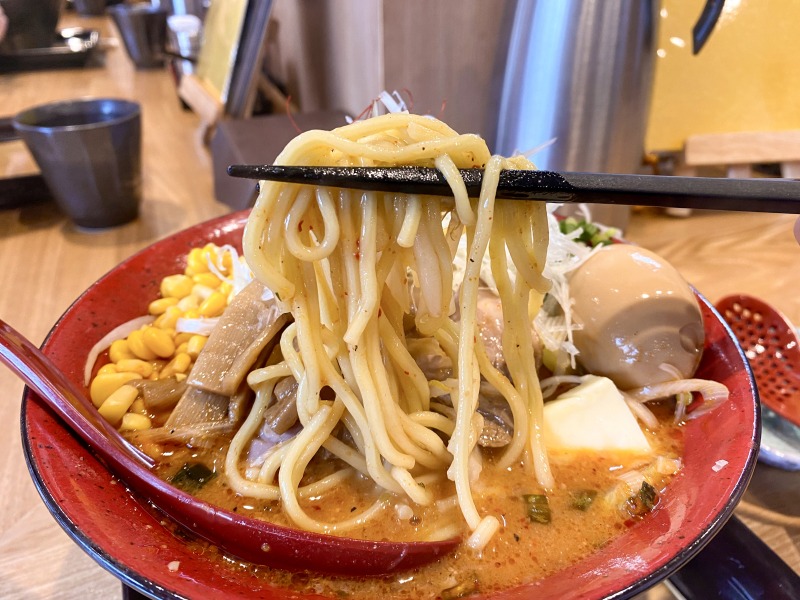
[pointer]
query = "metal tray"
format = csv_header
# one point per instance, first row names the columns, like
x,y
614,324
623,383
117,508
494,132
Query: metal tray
x,y
72,48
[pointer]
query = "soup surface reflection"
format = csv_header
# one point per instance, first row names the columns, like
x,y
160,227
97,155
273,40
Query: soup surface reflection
x,y
524,550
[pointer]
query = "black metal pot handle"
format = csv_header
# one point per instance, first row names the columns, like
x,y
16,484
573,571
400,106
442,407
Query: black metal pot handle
x,y
706,23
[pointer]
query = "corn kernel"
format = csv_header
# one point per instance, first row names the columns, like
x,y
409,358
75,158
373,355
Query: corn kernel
x,y
119,351
207,279
138,407
158,341
182,338
179,364
106,384
169,319
136,365
118,403
195,345
166,372
158,307
107,369
180,377
210,252
196,262
202,291
176,286
192,313
135,422
214,305
189,302
138,347
181,348
225,288
157,366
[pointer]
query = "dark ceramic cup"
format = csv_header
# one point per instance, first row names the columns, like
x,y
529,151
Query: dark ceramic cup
x,y
143,28
90,155
90,7
31,24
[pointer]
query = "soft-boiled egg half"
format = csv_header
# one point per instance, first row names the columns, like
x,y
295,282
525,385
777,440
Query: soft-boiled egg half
x,y
637,314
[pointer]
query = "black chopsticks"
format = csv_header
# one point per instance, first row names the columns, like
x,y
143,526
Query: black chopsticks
x,y
712,193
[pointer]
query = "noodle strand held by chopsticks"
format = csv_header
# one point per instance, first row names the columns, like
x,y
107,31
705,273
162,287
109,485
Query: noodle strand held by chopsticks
x,y
353,268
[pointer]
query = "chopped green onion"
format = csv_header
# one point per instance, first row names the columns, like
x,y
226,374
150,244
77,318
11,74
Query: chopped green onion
x,y
582,499
537,507
648,495
192,477
569,225
643,501
591,234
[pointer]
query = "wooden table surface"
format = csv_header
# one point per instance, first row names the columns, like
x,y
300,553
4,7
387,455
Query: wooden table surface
x,y
46,263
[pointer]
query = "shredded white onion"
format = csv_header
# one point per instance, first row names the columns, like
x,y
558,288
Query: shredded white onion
x,y
199,326
713,393
446,504
672,370
550,384
392,103
564,255
118,333
404,511
682,401
633,479
475,465
668,466
241,274
641,412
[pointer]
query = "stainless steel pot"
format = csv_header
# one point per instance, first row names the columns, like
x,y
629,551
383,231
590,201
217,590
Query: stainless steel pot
x,y
578,82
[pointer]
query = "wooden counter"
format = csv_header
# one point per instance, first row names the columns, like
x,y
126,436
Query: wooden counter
x,y
46,263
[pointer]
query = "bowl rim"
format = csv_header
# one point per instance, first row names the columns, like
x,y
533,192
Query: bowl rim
x,y
122,109
142,583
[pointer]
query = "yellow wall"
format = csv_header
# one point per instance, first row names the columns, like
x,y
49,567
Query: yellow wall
x,y
746,78
221,36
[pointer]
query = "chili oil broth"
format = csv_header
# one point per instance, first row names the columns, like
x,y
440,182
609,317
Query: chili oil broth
x,y
522,551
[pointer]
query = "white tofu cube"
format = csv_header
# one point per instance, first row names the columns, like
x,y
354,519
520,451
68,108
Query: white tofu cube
x,y
593,416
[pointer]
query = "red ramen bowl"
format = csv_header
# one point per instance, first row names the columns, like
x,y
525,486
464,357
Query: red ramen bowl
x,y
134,543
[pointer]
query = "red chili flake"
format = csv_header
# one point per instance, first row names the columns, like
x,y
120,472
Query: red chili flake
x,y
367,110
289,114
410,103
